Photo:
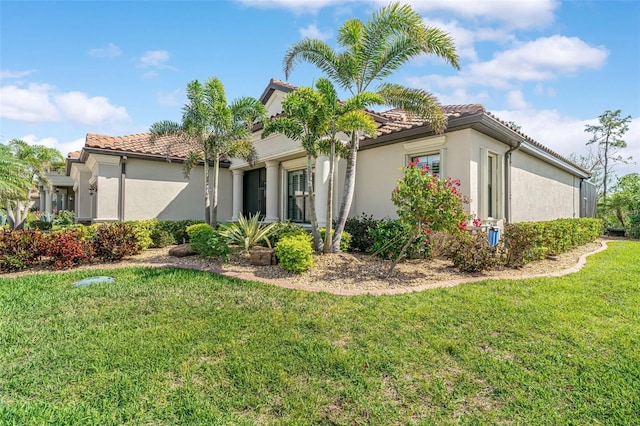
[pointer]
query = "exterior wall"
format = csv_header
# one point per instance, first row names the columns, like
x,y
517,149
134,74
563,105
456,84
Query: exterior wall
x,y
380,168
479,147
153,189
157,189
541,191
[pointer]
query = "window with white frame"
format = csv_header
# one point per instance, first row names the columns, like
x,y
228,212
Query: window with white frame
x,y
298,207
431,160
492,186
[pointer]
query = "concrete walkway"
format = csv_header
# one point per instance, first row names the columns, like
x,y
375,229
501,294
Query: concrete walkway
x,y
379,292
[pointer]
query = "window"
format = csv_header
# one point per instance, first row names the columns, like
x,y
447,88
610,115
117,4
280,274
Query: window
x,y
298,197
492,186
431,160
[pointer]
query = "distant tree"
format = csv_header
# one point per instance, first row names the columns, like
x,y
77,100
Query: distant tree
x,y
607,137
625,198
514,126
212,130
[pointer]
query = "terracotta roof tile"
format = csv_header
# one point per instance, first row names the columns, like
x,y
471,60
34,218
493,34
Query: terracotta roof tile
x,y
168,146
73,154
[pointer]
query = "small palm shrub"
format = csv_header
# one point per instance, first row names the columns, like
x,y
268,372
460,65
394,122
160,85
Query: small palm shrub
x,y
206,241
390,235
247,232
345,240
20,249
68,248
472,253
114,241
295,253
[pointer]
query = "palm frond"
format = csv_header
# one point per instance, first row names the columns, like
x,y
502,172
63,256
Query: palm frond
x,y
415,101
353,121
315,52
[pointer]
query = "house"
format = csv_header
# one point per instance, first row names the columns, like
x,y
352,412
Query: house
x,y
506,174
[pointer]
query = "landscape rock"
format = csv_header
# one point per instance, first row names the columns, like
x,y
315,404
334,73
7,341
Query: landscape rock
x,y
262,256
181,250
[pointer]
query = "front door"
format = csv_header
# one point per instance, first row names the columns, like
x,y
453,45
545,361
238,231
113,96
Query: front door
x,y
254,192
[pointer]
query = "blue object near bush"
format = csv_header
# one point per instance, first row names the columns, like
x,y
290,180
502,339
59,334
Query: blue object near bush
x,y
494,235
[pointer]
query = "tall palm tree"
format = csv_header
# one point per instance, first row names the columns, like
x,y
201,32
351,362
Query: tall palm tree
x,y
368,53
28,165
213,131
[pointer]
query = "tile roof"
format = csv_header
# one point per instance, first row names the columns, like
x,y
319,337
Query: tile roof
x,y
140,143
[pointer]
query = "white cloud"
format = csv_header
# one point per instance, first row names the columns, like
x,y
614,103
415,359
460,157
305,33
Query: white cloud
x,y
171,99
6,74
154,58
51,142
27,104
512,14
462,37
462,97
515,99
543,59
42,103
90,111
312,31
110,51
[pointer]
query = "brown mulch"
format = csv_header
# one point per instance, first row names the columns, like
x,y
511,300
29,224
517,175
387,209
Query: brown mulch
x,y
344,271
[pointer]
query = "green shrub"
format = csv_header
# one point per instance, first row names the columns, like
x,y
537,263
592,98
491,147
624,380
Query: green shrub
x,y
345,240
116,240
389,235
283,229
247,232
527,241
143,229
178,228
206,241
68,248
41,225
295,253
20,249
161,238
63,218
358,227
472,253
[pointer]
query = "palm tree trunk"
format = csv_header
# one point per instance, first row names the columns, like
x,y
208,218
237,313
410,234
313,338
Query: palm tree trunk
x,y
315,231
207,201
214,197
328,236
349,189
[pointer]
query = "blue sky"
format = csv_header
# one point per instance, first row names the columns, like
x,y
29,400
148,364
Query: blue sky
x,y
71,68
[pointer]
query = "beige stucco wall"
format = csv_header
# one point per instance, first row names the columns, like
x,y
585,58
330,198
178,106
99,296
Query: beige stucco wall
x,y
541,191
159,189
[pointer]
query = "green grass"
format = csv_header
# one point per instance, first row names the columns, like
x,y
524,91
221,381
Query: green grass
x,y
167,346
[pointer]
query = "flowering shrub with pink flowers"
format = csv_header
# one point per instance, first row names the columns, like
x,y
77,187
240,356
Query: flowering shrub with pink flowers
x,y
428,203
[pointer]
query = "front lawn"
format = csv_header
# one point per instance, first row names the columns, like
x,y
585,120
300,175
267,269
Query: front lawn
x,y
168,346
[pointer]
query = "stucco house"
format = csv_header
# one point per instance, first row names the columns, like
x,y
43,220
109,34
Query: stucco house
x,y
506,174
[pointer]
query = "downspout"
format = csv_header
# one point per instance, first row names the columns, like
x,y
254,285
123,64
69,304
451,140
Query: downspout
x,y
507,181
123,180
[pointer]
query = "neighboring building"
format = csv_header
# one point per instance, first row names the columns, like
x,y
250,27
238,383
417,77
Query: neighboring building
x,y
506,174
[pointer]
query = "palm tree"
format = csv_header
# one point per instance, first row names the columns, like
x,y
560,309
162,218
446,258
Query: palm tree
x,y
14,173
26,165
303,121
369,52
342,117
213,131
